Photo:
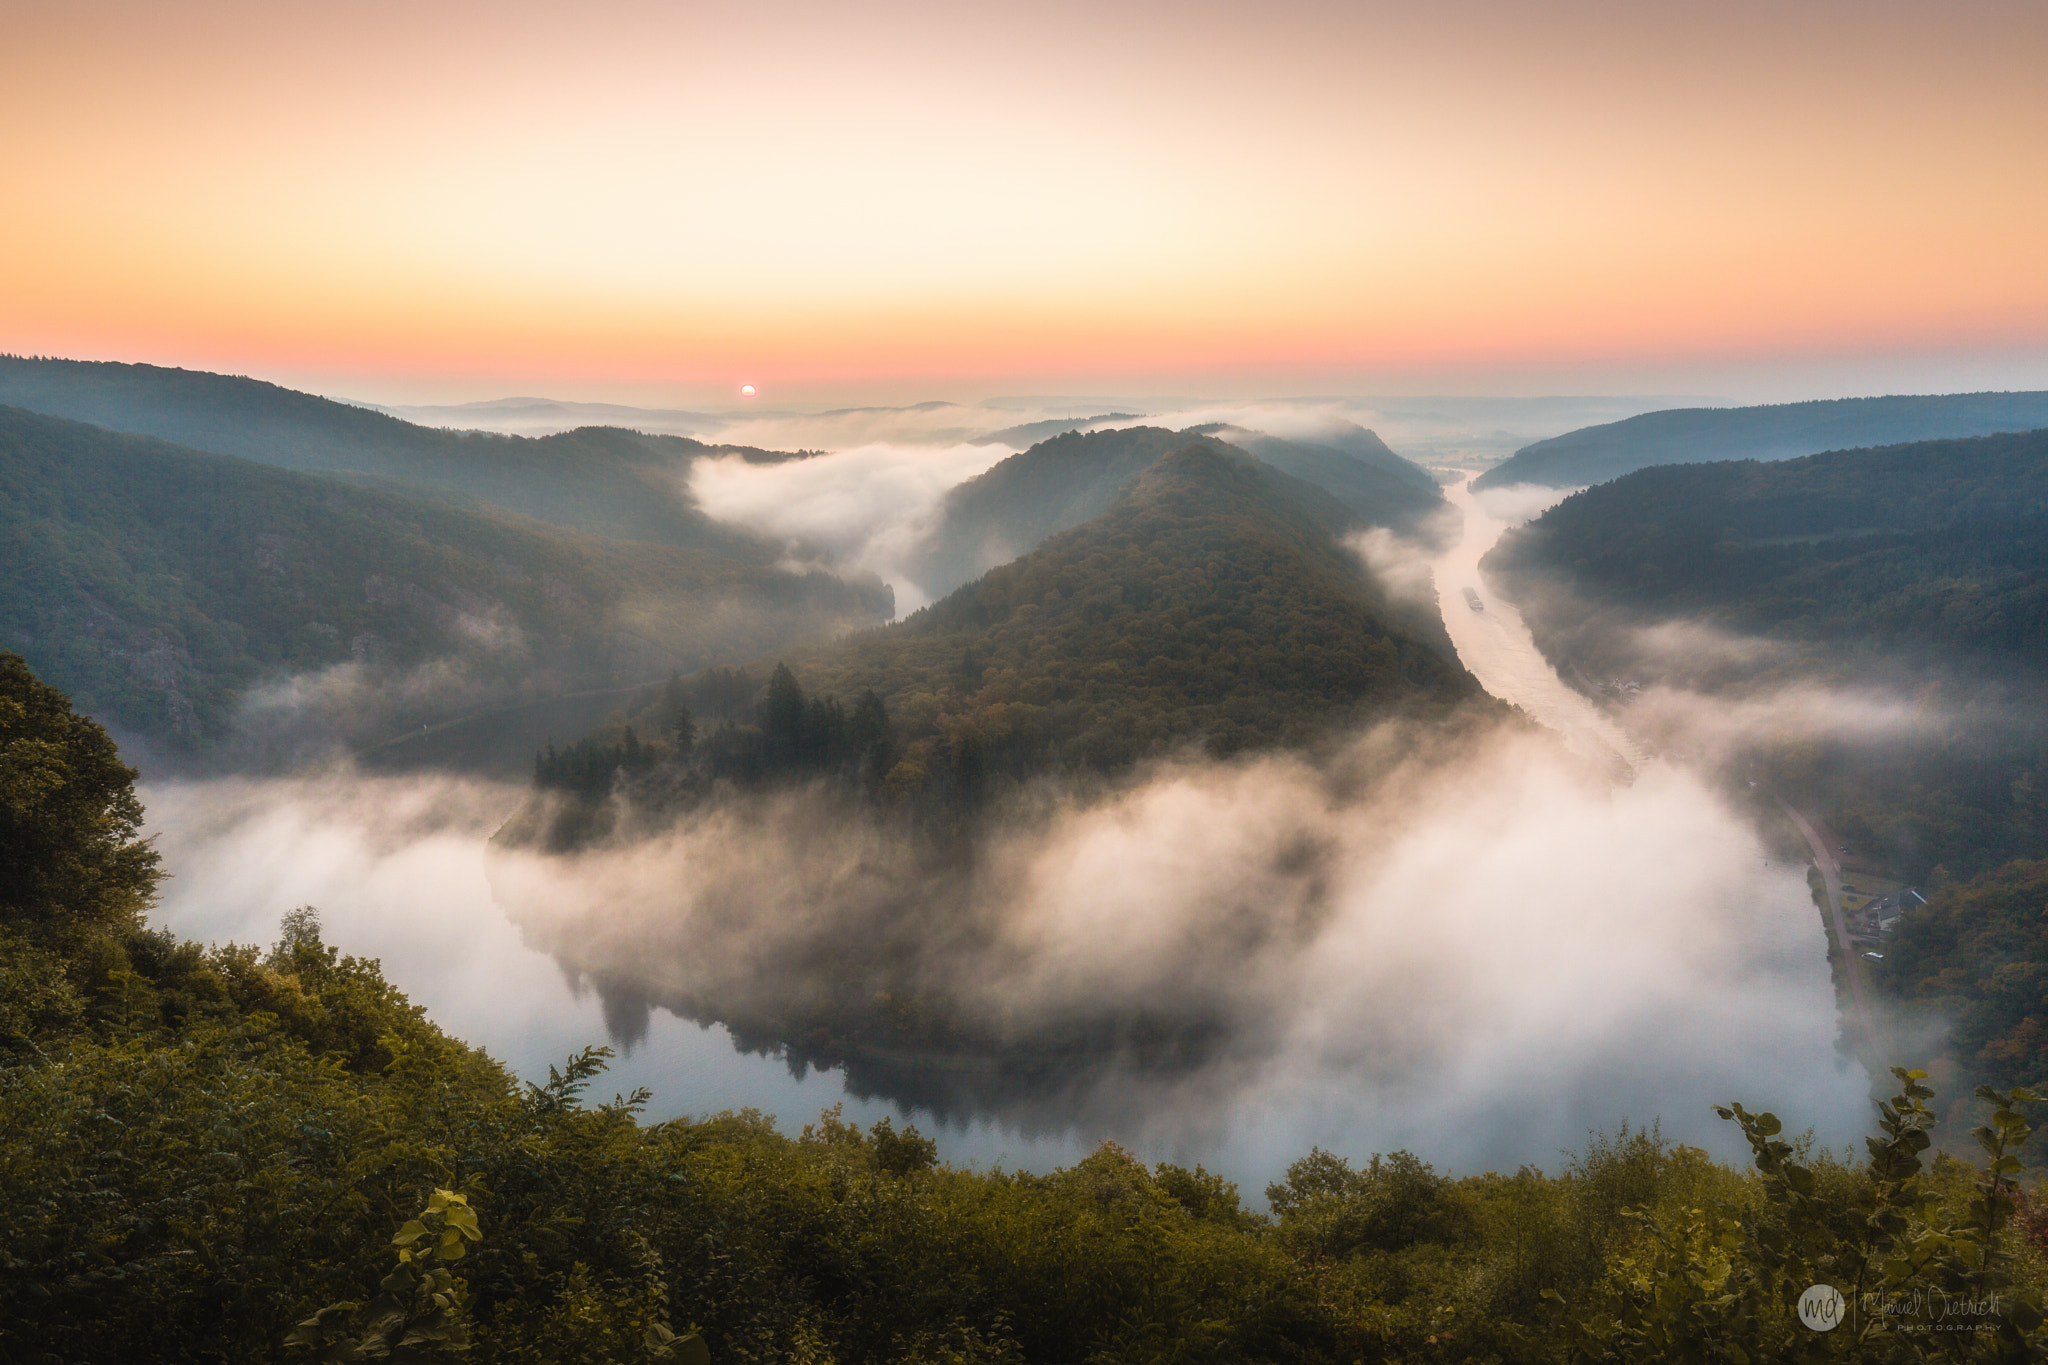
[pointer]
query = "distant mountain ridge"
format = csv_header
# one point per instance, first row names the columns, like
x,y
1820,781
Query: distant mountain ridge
x,y
159,584
602,480
1780,431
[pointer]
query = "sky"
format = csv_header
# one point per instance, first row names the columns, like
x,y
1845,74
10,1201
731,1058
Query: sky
x,y
656,203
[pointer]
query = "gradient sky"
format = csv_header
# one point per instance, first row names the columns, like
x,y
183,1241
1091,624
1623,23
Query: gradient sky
x,y
656,202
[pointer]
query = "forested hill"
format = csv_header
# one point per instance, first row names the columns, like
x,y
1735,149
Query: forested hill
x,y
1211,601
1937,547
1917,573
232,1154
1347,439
1060,483
158,583
601,479
1781,431
1380,487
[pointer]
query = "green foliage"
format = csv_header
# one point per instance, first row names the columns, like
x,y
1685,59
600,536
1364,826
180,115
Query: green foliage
x,y
1976,955
159,584
1331,1211
1713,1286
419,1313
204,1152
71,861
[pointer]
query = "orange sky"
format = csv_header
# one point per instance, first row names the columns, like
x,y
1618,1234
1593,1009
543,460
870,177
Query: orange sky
x,y
660,201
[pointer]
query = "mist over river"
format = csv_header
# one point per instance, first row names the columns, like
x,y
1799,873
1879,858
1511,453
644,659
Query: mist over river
x,y
1530,955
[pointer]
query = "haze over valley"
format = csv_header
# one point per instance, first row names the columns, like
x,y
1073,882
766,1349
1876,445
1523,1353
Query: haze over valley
x,y
1194,806
949,686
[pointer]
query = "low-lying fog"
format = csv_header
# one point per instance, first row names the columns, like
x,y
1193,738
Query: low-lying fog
x,y
1479,951
862,508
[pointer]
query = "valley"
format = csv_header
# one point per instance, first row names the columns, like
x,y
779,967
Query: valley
x,y
1287,684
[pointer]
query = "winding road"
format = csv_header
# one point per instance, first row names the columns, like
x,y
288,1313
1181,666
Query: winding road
x,y
1831,881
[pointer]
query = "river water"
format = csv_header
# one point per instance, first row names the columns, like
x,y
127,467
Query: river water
x,y
396,865
1496,647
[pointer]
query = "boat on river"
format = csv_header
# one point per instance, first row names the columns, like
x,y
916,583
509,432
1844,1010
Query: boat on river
x,y
1472,600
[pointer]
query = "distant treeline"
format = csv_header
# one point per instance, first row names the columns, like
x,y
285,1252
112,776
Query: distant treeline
x,y
1776,431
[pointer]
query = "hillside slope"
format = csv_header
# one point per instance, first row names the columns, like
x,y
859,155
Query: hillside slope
x,y
1211,601
159,584
1060,483
1383,490
602,480
1910,582
1937,548
1213,607
1781,431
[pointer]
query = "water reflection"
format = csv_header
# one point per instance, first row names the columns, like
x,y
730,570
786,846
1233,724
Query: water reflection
x,y
396,868
1604,958
1496,647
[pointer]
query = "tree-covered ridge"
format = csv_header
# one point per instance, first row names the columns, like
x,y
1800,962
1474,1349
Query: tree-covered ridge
x,y
1353,443
601,480
1213,601
1771,432
1213,605
1938,548
1917,570
1074,477
1920,570
159,583
1976,956
234,1154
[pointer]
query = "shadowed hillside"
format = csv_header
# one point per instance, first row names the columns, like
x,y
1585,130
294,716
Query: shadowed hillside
x,y
1380,487
1213,604
1935,549
160,584
1908,588
1211,600
603,480
1060,483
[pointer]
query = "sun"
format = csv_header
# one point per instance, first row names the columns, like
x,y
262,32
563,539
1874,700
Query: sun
x,y
746,390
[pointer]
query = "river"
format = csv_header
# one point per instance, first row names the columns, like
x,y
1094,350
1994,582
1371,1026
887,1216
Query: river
x,y
1496,647
1633,945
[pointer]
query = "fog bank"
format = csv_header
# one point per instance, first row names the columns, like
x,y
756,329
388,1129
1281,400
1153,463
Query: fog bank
x,y
866,508
1478,950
